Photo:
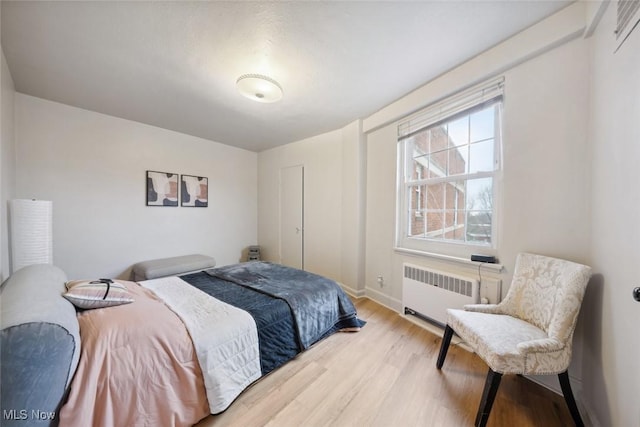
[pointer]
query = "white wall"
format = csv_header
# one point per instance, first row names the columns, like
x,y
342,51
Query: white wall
x,y
612,348
354,176
569,188
545,155
93,167
7,162
545,201
321,157
334,203
545,179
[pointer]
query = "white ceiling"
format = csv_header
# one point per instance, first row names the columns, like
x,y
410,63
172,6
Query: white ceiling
x,y
175,64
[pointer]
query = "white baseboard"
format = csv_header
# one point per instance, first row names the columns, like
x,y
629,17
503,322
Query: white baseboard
x,y
356,293
385,300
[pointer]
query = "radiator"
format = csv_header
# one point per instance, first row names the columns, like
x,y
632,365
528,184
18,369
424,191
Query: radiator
x,y
428,293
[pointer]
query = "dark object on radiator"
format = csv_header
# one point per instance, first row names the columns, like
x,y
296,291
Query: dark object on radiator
x,y
484,258
636,294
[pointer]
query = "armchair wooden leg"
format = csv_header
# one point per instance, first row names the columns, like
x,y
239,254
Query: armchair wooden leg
x,y
568,397
446,340
488,396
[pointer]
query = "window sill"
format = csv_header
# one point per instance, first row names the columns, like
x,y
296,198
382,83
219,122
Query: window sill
x,y
496,268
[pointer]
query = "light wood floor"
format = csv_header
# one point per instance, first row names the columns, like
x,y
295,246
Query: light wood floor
x,y
385,375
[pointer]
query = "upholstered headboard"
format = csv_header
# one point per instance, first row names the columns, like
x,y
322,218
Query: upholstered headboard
x,y
40,345
152,269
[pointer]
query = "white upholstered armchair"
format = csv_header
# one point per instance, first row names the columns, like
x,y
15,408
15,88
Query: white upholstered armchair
x,y
530,332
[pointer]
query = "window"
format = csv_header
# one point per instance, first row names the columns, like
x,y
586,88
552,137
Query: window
x,y
448,157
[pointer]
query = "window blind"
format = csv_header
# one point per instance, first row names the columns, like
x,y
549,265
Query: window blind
x,y
475,96
628,18
627,10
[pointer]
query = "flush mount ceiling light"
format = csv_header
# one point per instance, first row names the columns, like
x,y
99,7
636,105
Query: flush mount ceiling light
x,y
259,88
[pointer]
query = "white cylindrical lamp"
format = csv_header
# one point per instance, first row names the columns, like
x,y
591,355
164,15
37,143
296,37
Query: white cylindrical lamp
x,y
31,232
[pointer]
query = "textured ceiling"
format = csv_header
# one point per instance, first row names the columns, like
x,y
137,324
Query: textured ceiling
x,y
175,64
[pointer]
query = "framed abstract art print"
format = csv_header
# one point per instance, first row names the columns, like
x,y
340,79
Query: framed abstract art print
x,y
194,191
162,189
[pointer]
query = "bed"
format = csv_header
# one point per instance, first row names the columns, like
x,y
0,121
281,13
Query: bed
x,y
187,346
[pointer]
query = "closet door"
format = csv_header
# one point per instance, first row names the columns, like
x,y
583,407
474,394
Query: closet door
x,y
292,216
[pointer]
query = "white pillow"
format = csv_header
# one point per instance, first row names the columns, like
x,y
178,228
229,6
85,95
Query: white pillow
x,y
99,293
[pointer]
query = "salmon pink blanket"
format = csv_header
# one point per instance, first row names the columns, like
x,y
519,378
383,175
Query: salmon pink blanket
x,y
137,367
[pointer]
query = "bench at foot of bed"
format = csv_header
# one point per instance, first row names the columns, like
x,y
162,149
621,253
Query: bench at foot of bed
x,y
152,269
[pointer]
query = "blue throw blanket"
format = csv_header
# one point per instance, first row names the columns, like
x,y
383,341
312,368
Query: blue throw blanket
x,y
277,335
318,304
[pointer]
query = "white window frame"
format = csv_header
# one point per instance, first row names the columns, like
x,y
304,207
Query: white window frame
x,y
486,93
